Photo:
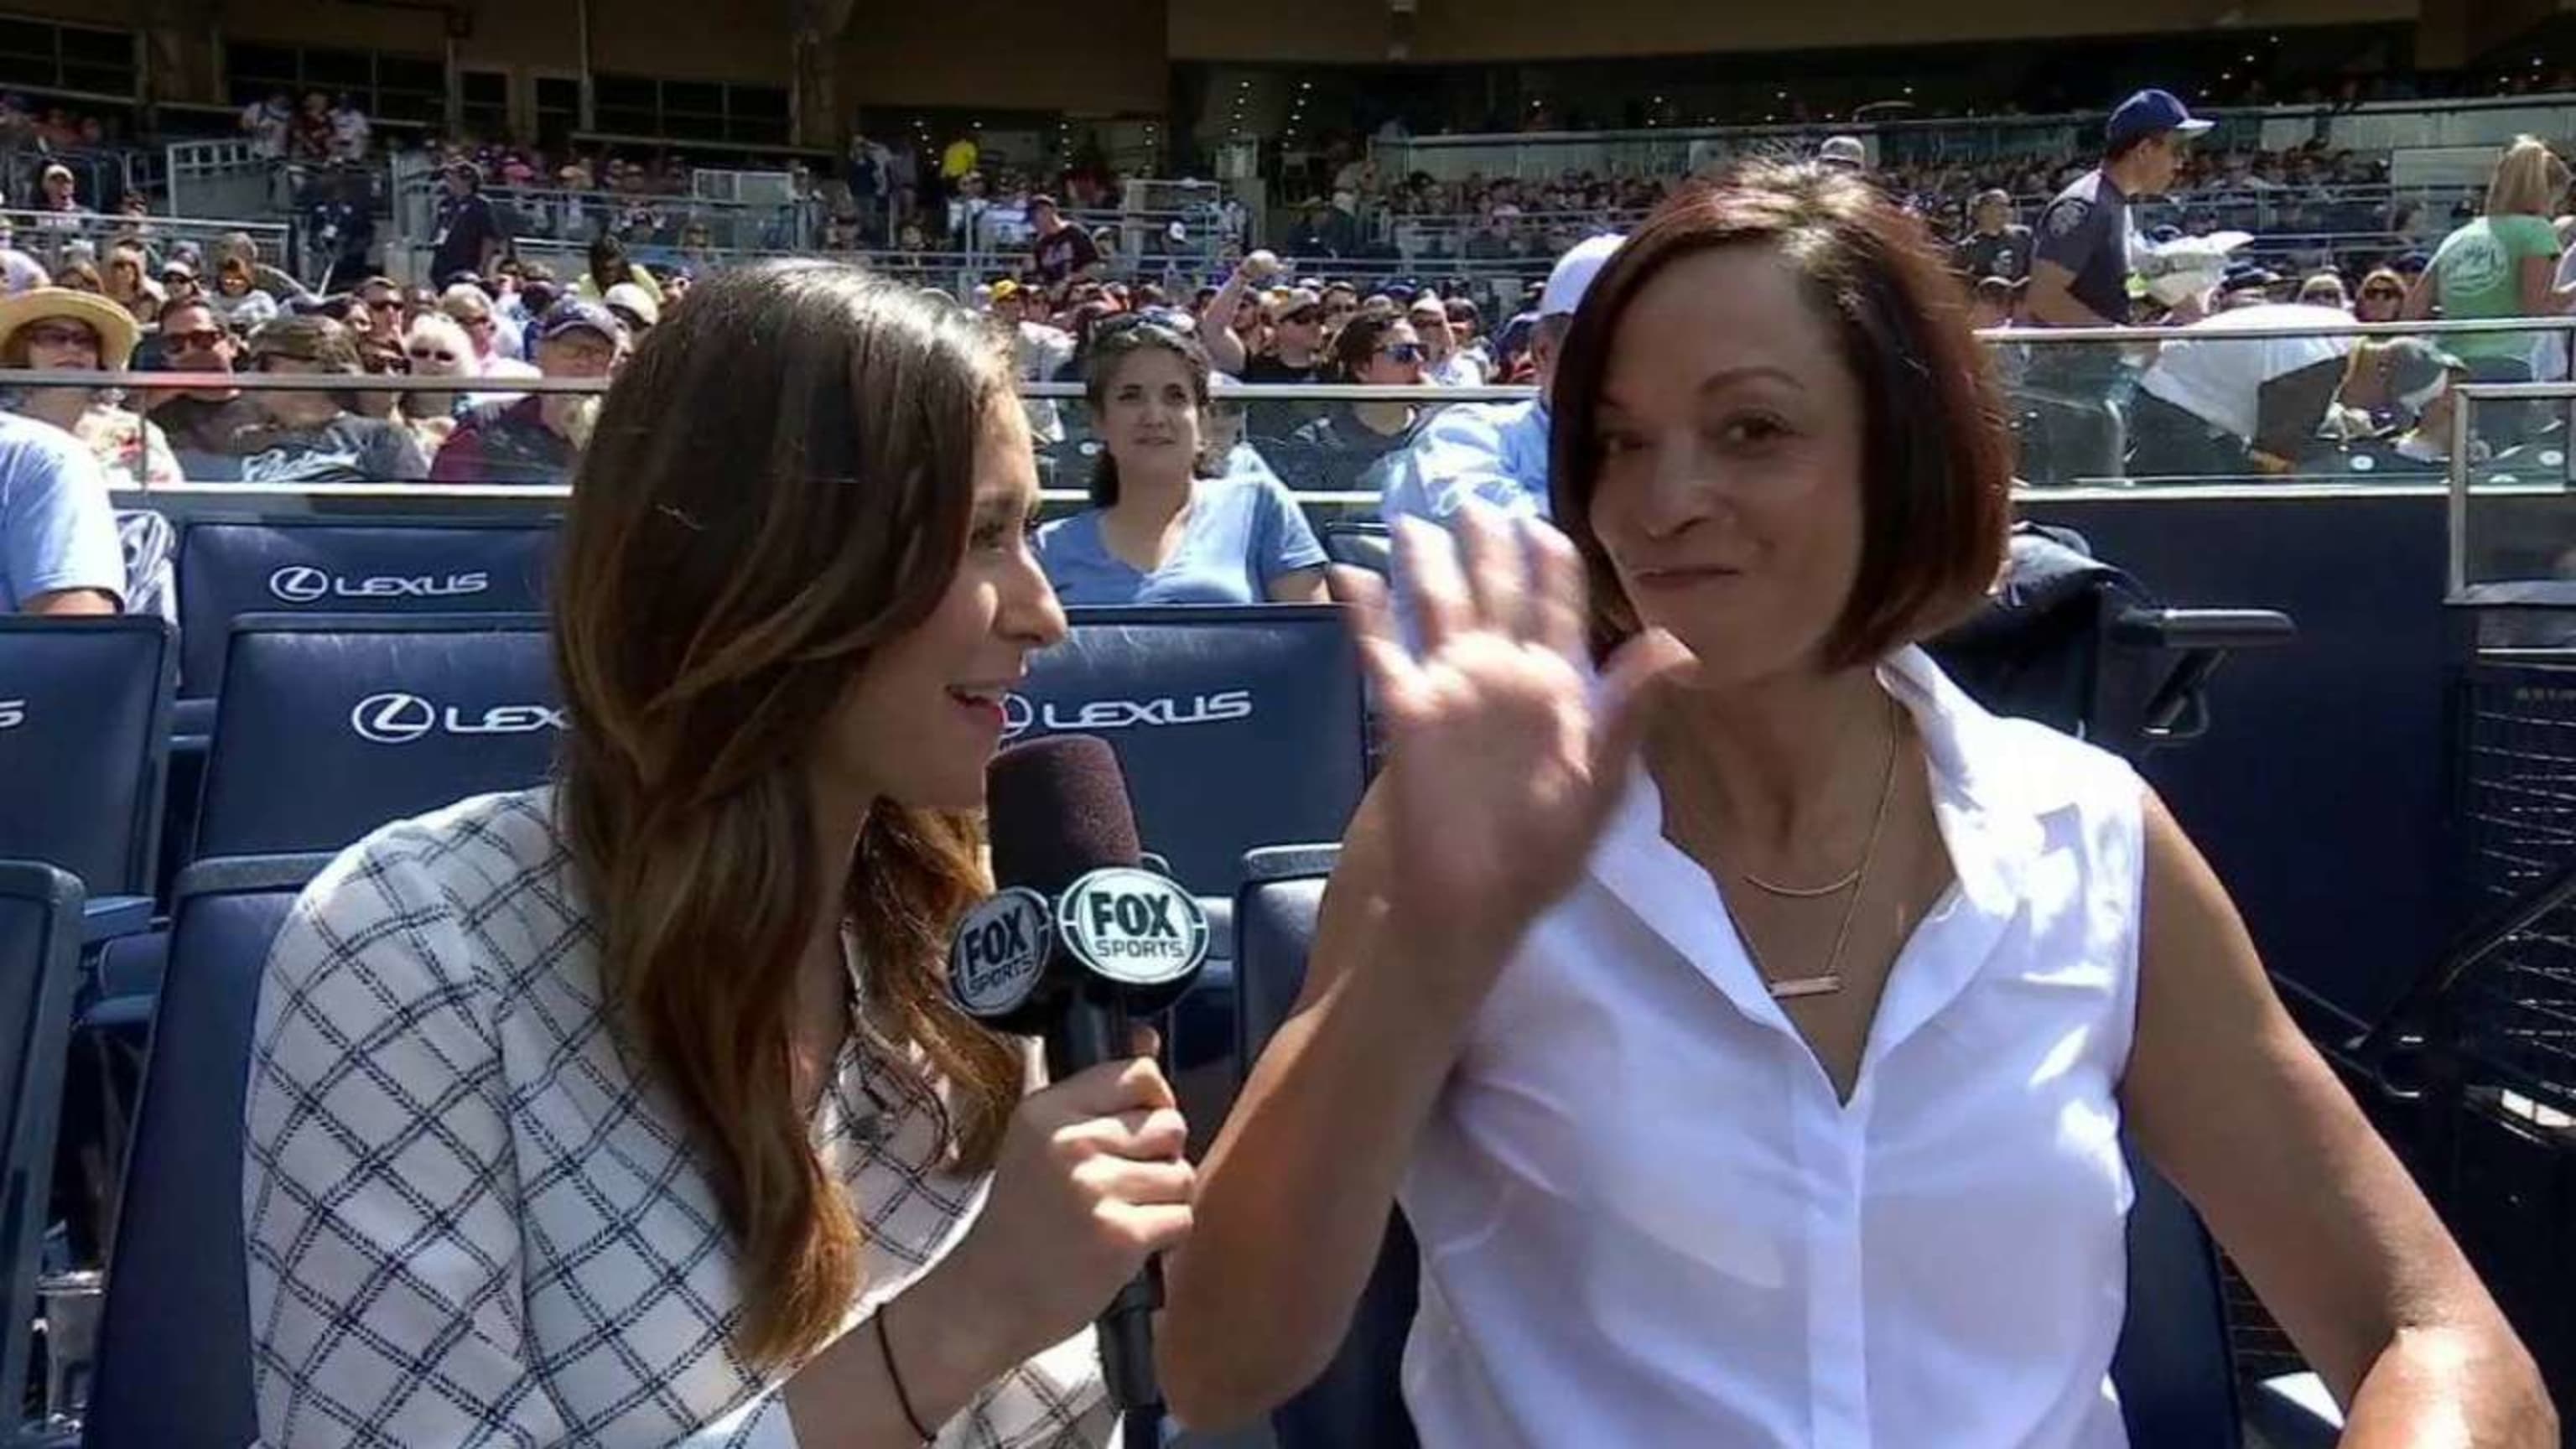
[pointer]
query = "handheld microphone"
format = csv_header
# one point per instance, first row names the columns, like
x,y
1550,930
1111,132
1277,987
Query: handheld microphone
x,y
1078,940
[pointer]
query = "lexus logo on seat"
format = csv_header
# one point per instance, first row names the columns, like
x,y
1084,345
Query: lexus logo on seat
x,y
305,584
1020,714
397,718
13,713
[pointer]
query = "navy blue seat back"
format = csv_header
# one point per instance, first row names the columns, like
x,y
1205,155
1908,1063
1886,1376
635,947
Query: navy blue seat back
x,y
2176,1379
331,726
40,942
231,567
173,1368
1237,727
84,736
2031,650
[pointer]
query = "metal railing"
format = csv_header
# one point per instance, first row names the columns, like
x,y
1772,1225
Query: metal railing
x,y
637,218
2467,481
101,176
1278,424
2373,127
54,238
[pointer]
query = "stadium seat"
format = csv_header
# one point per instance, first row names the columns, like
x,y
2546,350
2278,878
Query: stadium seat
x,y
2033,650
40,944
1237,727
2077,644
173,1367
332,725
2177,1382
234,566
1361,544
84,733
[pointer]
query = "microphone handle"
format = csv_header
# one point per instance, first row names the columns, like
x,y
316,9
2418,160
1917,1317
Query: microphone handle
x,y
1094,1029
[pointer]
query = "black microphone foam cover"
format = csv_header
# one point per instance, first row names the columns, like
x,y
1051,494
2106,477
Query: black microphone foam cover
x,y
1058,810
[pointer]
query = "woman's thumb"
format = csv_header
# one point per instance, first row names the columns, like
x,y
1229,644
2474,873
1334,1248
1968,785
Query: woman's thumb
x,y
1635,671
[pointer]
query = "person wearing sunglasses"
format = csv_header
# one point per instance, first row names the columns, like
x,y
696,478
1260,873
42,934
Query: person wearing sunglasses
x,y
58,329
316,435
1347,448
1160,530
2325,289
205,426
434,347
538,438
2382,296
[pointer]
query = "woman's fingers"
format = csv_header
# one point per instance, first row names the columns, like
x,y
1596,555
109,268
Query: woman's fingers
x,y
1442,606
1497,578
1558,596
1389,666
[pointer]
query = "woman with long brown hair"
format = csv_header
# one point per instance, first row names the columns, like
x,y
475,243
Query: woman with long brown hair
x,y
635,1111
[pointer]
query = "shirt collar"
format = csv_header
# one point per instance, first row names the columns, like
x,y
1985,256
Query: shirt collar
x,y
1986,795
1972,751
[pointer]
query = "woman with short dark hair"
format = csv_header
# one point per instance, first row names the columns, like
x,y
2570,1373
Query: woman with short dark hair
x,y
1749,1024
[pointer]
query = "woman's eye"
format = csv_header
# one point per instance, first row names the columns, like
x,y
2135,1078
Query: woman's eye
x,y
1753,431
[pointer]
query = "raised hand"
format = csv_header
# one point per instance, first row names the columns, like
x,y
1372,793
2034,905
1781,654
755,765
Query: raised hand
x,y
1506,755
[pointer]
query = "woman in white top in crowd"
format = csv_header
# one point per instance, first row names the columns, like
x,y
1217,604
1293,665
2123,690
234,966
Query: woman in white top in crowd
x,y
1750,1034
635,1112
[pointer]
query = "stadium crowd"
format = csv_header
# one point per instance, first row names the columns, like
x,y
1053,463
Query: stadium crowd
x,y
2042,243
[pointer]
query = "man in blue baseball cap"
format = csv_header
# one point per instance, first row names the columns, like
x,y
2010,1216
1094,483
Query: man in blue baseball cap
x,y
2079,277
537,438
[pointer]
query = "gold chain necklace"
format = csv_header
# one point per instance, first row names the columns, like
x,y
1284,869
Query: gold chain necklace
x,y
1829,980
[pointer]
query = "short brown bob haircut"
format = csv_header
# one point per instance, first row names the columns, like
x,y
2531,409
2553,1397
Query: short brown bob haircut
x,y
1936,463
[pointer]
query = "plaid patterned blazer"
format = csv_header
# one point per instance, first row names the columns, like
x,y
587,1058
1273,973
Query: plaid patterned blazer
x,y
469,1222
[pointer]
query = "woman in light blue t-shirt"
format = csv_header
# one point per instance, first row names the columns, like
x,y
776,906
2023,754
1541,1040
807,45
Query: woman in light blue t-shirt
x,y
1158,532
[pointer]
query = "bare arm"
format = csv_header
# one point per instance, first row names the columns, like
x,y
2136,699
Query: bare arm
x,y
2231,1101
2421,298
1503,768
2541,294
1310,1156
1216,324
1303,586
68,603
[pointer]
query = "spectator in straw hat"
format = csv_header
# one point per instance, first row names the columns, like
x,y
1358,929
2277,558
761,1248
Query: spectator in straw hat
x,y
57,329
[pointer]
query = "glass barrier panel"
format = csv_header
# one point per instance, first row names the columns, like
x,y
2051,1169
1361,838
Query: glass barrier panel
x,y
2166,408
2513,512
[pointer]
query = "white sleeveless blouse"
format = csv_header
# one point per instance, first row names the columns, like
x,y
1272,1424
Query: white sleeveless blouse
x,y
1646,1219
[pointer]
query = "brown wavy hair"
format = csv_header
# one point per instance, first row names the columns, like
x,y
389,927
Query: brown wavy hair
x,y
779,484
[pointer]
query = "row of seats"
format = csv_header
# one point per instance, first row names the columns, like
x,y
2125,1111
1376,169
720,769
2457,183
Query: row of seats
x,y
331,724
